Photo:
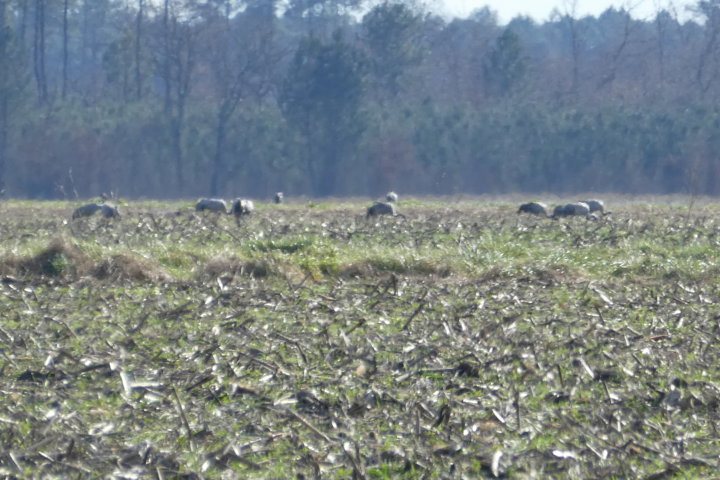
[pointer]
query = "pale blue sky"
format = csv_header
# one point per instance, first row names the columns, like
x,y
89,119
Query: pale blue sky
x,y
540,9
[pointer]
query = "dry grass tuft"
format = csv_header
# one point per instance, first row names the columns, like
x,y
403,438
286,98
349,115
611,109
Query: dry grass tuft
x,y
235,266
358,270
130,267
556,275
372,268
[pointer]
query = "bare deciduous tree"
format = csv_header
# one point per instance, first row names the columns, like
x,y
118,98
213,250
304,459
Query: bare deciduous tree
x,y
176,61
242,57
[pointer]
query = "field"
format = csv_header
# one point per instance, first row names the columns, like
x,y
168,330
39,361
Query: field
x,y
306,342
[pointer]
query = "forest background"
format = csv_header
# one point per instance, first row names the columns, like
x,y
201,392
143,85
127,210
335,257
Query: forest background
x,y
177,99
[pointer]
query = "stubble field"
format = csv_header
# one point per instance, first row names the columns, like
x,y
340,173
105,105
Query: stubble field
x,y
306,342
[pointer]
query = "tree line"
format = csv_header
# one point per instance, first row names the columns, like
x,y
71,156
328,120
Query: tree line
x,y
182,98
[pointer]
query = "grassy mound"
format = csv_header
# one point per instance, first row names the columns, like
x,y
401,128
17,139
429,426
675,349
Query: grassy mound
x,y
234,266
60,259
63,260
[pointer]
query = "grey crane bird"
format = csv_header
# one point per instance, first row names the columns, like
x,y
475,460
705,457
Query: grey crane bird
x,y
86,210
242,206
534,208
279,197
109,211
559,211
211,205
391,197
571,209
382,208
596,206
90,209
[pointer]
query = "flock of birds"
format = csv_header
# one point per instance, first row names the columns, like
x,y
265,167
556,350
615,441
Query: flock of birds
x,y
239,207
591,209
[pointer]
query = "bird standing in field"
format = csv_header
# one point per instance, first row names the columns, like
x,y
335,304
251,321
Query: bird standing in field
x,y
382,208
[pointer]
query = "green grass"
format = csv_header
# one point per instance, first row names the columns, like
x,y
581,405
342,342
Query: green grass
x,y
333,241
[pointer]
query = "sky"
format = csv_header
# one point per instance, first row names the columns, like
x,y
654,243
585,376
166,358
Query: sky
x,y
540,10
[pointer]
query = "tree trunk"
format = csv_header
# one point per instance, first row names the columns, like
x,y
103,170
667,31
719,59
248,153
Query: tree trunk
x,y
39,50
177,60
23,21
4,128
65,49
218,165
138,50
166,65
177,135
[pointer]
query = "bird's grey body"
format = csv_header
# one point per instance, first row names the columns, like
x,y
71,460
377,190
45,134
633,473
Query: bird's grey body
x,y
382,208
571,209
109,211
534,208
90,209
596,206
211,205
242,206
